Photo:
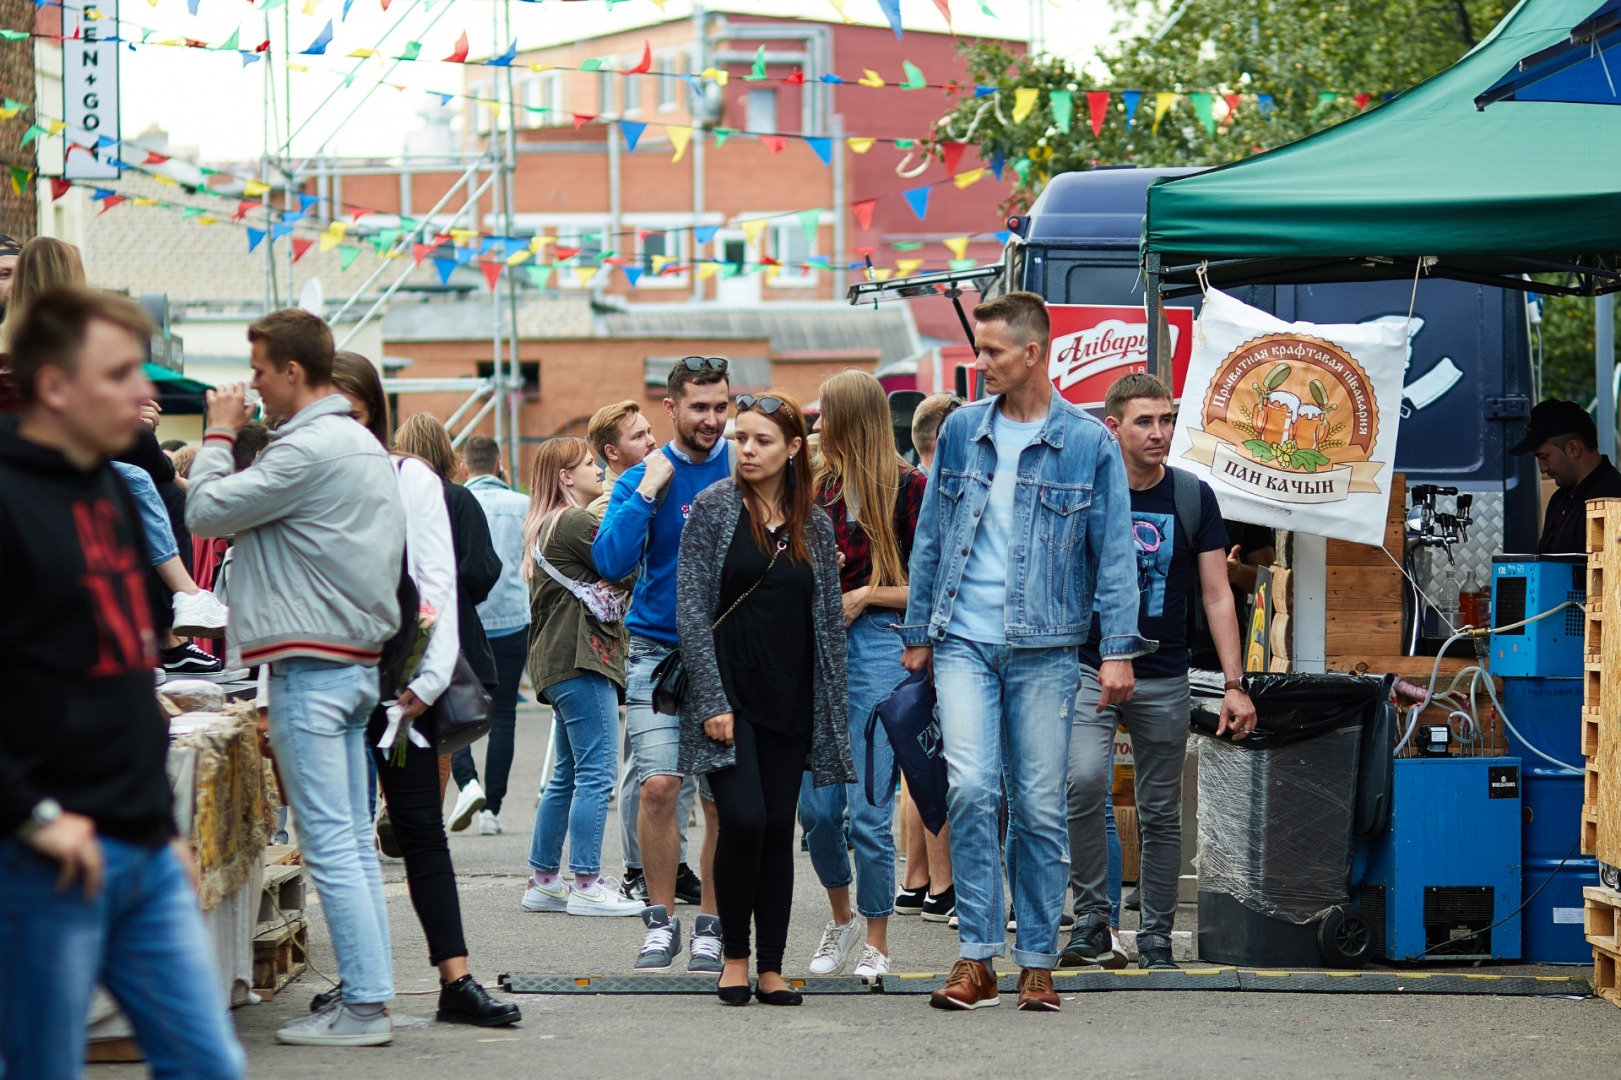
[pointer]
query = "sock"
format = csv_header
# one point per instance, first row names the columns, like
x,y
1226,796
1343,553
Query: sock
x,y
583,882
366,1012
545,880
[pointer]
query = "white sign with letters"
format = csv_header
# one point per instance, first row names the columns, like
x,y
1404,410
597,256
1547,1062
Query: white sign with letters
x,y
90,88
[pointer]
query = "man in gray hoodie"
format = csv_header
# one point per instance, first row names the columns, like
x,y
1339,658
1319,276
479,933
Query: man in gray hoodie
x,y
319,536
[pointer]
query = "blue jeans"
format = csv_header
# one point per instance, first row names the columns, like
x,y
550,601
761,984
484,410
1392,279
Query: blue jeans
x,y
142,935
160,541
318,715
875,671
1005,718
585,719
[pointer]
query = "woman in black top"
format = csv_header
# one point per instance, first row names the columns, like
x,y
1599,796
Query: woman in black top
x,y
763,641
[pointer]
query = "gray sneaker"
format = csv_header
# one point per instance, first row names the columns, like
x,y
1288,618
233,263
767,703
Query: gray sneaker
x,y
338,1025
706,954
663,940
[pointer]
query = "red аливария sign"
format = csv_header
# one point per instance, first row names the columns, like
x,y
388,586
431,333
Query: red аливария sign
x,y
1095,344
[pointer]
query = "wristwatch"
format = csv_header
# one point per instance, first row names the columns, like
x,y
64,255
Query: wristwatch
x,y
1233,684
44,813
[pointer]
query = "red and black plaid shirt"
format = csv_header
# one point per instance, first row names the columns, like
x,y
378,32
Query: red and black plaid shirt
x,y
852,538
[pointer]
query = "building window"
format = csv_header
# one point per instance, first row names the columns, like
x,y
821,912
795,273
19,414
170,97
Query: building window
x,y
633,95
673,65
660,253
791,248
543,96
762,111
607,94
483,116
588,240
735,252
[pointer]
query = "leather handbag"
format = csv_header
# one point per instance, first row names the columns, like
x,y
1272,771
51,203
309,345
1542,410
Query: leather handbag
x,y
670,676
462,714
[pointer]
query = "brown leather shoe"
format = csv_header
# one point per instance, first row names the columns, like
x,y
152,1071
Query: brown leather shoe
x,y
1036,993
969,986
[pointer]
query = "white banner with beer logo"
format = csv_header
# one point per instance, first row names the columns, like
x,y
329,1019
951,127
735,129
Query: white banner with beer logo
x,y
1293,424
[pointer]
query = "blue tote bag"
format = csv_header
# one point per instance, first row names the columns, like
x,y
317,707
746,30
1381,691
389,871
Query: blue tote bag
x,y
910,718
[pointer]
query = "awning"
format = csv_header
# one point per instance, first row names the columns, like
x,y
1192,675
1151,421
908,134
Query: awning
x,y
172,382
1581,69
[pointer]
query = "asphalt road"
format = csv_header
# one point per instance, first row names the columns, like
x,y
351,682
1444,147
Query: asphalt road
x,y
1117,1034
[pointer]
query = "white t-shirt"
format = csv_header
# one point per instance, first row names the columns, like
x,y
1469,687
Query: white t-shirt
x,y
980,613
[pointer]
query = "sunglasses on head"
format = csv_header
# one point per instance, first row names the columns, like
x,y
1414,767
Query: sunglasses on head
x,y
767,405
698,363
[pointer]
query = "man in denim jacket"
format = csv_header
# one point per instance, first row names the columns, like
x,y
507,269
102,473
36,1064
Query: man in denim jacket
x,y
1026,520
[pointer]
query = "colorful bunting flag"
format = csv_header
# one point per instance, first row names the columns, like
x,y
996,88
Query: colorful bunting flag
x,y
540,276
255,236
1097,108
892,12
322,40
952,153
859,146
1162,105
300,247
776,144
705,233
445,267
458,55
969,178
862,211
871,78
506,58
914,76
918,200
679,137
1131,98
958,245
346,257
20,178
1024,102
1063,107
821,147
945,9
646,63
633,274
1263,102
1204,108
752,230
492,272
810,221
60,187
907,267
413,49
632,131
757,73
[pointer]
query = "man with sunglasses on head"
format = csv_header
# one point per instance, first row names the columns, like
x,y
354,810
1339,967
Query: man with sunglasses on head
x,y
641,534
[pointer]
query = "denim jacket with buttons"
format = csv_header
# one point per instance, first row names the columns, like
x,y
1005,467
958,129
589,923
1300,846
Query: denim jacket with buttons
x,y
1070,549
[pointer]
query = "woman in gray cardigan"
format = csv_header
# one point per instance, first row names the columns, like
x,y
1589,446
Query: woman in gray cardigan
x,y
762,636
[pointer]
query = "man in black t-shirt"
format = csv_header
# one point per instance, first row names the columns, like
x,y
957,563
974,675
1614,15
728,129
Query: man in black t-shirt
x,y
1179,534
1565,441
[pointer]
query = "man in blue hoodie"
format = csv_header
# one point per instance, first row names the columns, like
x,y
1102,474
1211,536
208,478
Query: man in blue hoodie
x,y
641,531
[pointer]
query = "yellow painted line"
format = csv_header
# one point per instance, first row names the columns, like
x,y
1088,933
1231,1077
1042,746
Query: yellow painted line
x,y
1343,974
582,982
1272,974
1413,975
1204,971
913,975
1485,978
1554,978
1129,974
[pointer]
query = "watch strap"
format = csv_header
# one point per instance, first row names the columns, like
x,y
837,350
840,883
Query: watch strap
x,y
1233,684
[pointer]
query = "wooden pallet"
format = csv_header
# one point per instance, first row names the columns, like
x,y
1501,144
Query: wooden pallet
x,y
1604,975
281,896
1601,693
280,954
1601,918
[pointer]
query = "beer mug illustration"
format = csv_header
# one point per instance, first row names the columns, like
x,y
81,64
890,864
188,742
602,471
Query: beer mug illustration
x,y
1311,427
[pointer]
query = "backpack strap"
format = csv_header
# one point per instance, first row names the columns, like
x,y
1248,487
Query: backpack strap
x,y
1189,504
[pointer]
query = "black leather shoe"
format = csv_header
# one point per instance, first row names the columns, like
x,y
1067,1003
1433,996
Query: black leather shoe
x,y
688,889
778,997
465,1002
733,995
325,998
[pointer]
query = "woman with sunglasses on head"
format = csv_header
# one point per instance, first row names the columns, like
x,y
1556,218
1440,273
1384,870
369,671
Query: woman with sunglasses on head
x,y
872,495
762,637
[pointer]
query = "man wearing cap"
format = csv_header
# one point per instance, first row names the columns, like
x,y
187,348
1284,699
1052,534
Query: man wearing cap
x,y
1565,441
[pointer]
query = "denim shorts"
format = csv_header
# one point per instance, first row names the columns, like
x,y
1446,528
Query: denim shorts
x,y
655,739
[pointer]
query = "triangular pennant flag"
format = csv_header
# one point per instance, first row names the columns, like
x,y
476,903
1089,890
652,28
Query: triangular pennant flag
x,y
633,274
679,137
797,78
582,119
958,245
811,222
34,132
346,257
859,146
952,153
1022,167
1131,98
1263,102
985,8
141,200
914,76
757,72
998,160
517,258
1361,101
1024,102
307,201
1324,98
106,204
862,211
564,254
540,276
961,264
705,233
422,251
458,55
254,188
1097,109
721,135
300,247
969,178
707,270
446,267
60,187
1232,101
1162,105
279,231
413,49
20,178
344,15
892,12
918,199
322,40
774,143
644,65
331,238
1204,107
230,43
492,272
907,267
632,131
907,245
505,59
584,275
822,148
254,237
871,78
1063,108
752,231
593,63
189,212
945,9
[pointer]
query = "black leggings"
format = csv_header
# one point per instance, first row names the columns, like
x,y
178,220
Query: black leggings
x,y
414,809
754,851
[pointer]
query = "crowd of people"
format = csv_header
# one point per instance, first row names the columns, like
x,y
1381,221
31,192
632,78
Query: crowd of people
x,y
750,596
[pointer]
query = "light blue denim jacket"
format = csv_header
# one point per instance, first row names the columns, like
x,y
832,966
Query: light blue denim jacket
x,y
1071,546
506,609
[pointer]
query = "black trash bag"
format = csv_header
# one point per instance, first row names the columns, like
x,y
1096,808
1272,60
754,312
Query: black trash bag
x,y
1292,708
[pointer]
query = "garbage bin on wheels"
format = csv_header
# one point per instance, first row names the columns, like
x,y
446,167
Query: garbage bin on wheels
x,y
1277,813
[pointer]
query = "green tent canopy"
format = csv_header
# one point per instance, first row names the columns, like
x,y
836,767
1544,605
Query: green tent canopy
x,y
1427,178
172,382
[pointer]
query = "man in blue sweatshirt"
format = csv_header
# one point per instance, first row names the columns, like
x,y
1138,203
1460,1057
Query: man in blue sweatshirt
x,y
641,531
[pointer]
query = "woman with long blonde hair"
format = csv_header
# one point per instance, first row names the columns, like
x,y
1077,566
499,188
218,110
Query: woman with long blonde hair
x,y
44,263
872,495
577,663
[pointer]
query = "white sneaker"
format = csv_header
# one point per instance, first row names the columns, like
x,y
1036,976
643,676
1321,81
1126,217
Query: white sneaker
x,y
553,897
872,964
198,614
488,824
602,898
468,803
834,950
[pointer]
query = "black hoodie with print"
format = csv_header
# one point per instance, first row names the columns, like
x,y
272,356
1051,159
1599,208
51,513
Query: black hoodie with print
x,y
81,722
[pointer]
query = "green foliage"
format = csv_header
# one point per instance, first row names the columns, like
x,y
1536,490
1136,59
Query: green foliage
x,y
1567,348
1313,56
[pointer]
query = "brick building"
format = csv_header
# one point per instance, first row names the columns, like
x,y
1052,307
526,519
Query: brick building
x,y
16,83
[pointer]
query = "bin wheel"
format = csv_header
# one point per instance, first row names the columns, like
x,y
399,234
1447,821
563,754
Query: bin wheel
x,y
1344,937
1609,876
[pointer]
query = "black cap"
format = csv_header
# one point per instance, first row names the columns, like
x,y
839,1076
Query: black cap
x,y
1550,419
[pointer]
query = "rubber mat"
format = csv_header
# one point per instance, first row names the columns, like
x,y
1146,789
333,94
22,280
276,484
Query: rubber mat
x,y
1087,982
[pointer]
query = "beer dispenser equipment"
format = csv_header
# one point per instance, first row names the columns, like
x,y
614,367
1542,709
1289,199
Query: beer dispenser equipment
x,y
1430,527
